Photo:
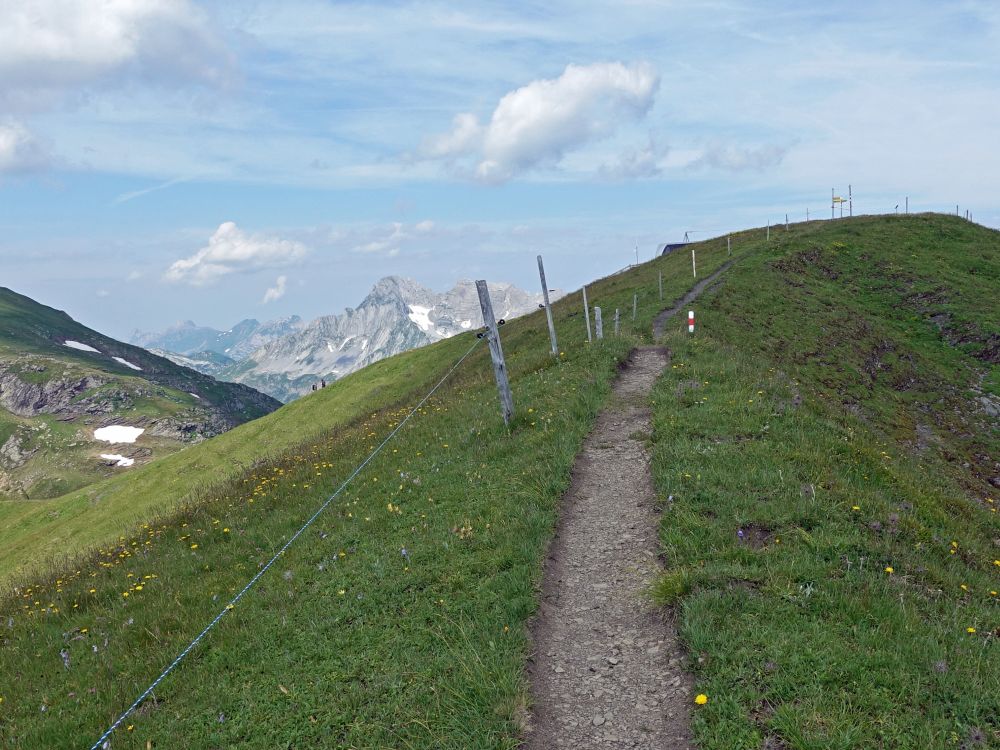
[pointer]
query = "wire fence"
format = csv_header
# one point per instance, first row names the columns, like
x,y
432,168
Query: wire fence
x,y
103,741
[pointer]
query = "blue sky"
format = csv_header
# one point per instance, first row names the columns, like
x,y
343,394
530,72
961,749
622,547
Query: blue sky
x,y
164,160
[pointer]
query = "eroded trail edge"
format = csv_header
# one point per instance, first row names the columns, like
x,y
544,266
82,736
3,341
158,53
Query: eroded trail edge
x,y
607,669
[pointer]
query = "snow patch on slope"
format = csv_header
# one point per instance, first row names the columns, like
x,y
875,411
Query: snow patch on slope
x,y
122,461
420,315
125,362
80,347
118,433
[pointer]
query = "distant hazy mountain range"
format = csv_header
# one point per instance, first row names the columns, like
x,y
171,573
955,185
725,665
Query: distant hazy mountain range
x,y
284,358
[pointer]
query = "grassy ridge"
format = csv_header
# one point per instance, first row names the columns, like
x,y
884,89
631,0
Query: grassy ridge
x,y
349,642
831,537
34,536
38,536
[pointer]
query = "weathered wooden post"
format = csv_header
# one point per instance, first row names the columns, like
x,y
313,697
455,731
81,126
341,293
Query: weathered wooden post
x,y
729,247
496,353
586,312
635,306
768,230
548,308
694,267
616,321
598,327
661,286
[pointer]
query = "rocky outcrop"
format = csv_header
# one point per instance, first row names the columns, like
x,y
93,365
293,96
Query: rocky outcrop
x,y
13,453
28,398
25,393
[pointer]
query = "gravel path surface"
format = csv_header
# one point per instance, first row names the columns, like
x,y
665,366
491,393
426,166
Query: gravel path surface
x,y
607,668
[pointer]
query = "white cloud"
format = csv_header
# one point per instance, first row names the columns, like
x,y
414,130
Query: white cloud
x,y
385,244
231,250
465,136
739,159
53,46
277,291
644,162
20,150
540,122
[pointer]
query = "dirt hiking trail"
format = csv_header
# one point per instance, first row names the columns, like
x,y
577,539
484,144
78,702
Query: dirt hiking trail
x,y
607,668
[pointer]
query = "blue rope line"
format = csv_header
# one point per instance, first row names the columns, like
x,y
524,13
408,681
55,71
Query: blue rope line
x,y
232,602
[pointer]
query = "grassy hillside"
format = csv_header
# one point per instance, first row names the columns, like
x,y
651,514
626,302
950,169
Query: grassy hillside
x,y
823,451
832,537
349,642
53,396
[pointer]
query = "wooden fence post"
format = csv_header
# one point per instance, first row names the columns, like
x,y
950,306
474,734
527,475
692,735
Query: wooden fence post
x,y
616,321
548,308
586,312
661,286
694,267
598,327
729,245
635,306
496,353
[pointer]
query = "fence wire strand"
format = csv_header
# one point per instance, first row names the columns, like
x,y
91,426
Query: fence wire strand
x,y
232,602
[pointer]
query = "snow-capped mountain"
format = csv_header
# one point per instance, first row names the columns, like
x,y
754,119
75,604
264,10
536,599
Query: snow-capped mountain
x,y
398,314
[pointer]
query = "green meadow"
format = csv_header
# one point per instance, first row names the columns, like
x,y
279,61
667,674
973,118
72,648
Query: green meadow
x,y
823,459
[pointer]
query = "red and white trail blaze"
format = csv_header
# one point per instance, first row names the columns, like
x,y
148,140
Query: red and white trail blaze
x,y
690,321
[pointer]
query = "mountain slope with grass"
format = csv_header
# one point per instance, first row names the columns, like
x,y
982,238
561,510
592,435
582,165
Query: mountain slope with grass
x,y
824,453
827,447
60,381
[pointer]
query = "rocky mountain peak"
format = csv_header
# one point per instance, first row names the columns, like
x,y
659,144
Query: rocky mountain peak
x,y
395,290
